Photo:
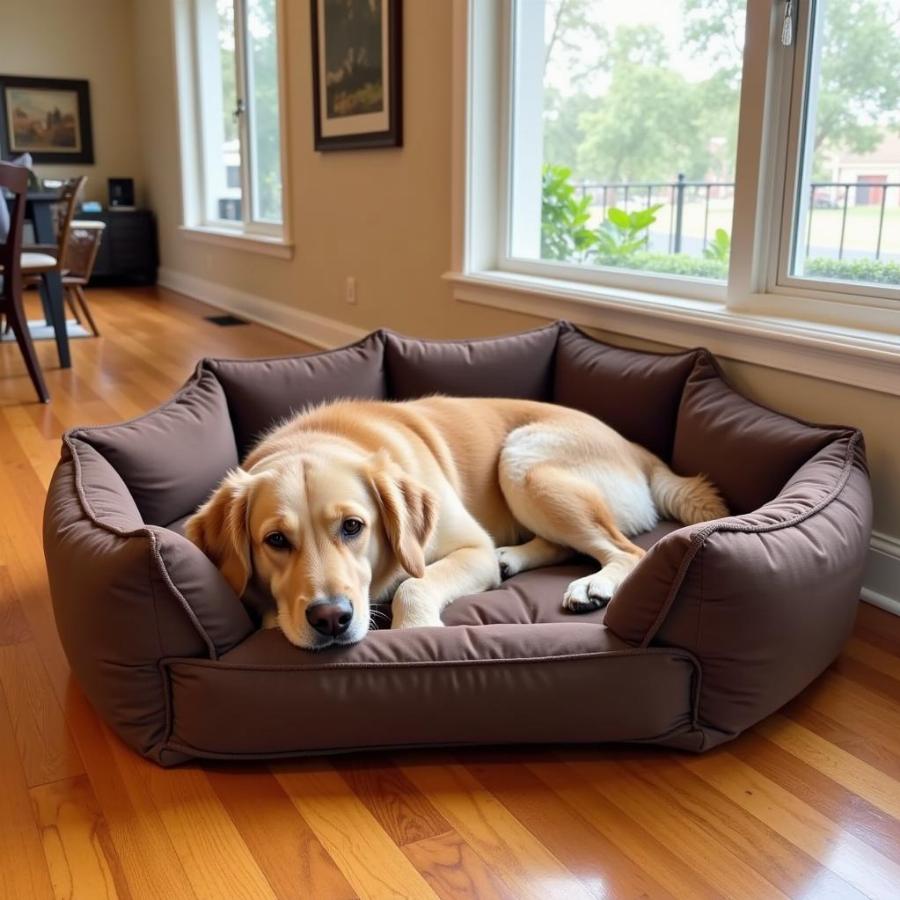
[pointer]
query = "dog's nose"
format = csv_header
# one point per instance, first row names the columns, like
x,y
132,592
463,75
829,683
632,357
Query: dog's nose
x,y
330,616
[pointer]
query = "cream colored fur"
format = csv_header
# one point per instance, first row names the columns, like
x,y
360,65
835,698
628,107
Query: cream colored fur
x,y
437,484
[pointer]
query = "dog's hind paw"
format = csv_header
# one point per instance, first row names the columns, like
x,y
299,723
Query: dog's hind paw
x,y
510,562
589,593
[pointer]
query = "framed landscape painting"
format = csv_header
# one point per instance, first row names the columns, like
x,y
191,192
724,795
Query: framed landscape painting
x,y
357,92
50,118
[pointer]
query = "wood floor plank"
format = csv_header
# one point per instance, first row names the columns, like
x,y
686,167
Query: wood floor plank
x,y
213,854
870,678
454,870
373,864
872,656
23,869
290,855
45,745
13,625
852,812
661,863
602,866
878,627
517,857
693,840
786,866
151,867
393,800
845,738
871,715
77,845
845,769
846,855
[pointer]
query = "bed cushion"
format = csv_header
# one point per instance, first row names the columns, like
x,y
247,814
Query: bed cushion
x,y
637,393
491,367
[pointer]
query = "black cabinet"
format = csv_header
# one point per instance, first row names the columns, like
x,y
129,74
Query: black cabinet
x,y
128,251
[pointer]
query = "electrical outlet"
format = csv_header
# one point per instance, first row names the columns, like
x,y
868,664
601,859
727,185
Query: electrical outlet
x,y
350,290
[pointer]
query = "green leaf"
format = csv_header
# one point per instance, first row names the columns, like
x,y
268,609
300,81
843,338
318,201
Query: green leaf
x,y
618,217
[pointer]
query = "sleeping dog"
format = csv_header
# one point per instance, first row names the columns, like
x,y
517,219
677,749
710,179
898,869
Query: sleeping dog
x,y
425,501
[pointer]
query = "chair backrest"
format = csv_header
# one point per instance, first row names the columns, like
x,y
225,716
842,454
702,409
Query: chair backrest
x,y
65,205
81,250
15,180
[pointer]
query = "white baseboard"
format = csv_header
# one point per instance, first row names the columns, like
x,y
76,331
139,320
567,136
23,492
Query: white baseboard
x,y
881,584
882,579
314,329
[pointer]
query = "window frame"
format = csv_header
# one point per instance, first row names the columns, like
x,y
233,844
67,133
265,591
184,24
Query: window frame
x,y
512,37
851,339
795,91
273,239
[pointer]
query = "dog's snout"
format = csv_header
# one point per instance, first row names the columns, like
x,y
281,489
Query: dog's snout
x,y
330,616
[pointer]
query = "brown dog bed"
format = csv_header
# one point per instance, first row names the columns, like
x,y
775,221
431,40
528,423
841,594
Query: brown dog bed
x,y
719,625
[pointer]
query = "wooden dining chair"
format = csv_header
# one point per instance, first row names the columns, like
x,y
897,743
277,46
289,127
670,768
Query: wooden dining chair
x,y
38,260
78,261
15,180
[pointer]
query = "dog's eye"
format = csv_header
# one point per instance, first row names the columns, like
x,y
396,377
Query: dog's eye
x,y
351,527
277,541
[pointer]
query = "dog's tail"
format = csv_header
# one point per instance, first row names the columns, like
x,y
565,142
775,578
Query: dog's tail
x,y
690,499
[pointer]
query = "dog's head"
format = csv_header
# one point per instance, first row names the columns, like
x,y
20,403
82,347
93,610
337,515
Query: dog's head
x,y
317,533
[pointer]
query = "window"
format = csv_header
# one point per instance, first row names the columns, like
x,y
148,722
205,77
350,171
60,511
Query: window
x,y
743,152
845,215
624,133
231,115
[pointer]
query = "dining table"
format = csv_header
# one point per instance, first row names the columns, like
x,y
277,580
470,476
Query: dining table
x,y
39,211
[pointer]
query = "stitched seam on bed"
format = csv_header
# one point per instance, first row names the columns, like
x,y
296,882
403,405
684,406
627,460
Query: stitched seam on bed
x,y
169,704
208,363
700,537
144,531
202,753
557,324
674,652
698,636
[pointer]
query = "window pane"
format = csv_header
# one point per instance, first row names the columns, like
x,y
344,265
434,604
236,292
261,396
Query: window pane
x,y
262,78
223,152
847,222
624,133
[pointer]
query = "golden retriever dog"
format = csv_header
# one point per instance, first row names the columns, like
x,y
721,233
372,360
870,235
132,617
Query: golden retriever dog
x,y
425,501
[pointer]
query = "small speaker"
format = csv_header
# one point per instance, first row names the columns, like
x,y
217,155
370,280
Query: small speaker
x,y
121,193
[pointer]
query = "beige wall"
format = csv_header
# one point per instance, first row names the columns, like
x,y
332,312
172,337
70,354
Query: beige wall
x,y
384,217
90,39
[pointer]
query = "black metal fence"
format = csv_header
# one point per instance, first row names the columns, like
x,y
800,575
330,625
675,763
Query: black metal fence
x,y
681,192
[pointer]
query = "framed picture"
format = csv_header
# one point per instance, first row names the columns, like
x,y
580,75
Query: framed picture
x,y
50,118
357,91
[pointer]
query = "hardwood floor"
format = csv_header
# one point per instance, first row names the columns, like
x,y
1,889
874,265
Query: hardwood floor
x,y
806,805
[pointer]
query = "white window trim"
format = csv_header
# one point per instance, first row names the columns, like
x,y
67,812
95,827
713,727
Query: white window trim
x,y
267,245
257,237
843,337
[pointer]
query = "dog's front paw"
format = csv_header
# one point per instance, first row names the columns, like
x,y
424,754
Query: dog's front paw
x,y
412,607
589,593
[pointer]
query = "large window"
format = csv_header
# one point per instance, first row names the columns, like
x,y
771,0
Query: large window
x,y
710,149
845,215
625,133
231,118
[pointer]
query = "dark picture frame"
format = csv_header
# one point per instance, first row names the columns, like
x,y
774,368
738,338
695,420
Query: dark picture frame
x,y
357,74
50,118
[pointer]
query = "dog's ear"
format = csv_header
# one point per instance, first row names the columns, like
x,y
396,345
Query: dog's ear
x,y
409,513
219,529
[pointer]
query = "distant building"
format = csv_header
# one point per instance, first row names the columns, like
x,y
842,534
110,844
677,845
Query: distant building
x,y
867,171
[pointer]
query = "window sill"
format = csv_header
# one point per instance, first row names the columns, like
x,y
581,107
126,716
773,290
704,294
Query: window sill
x,y
253,243
867,359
